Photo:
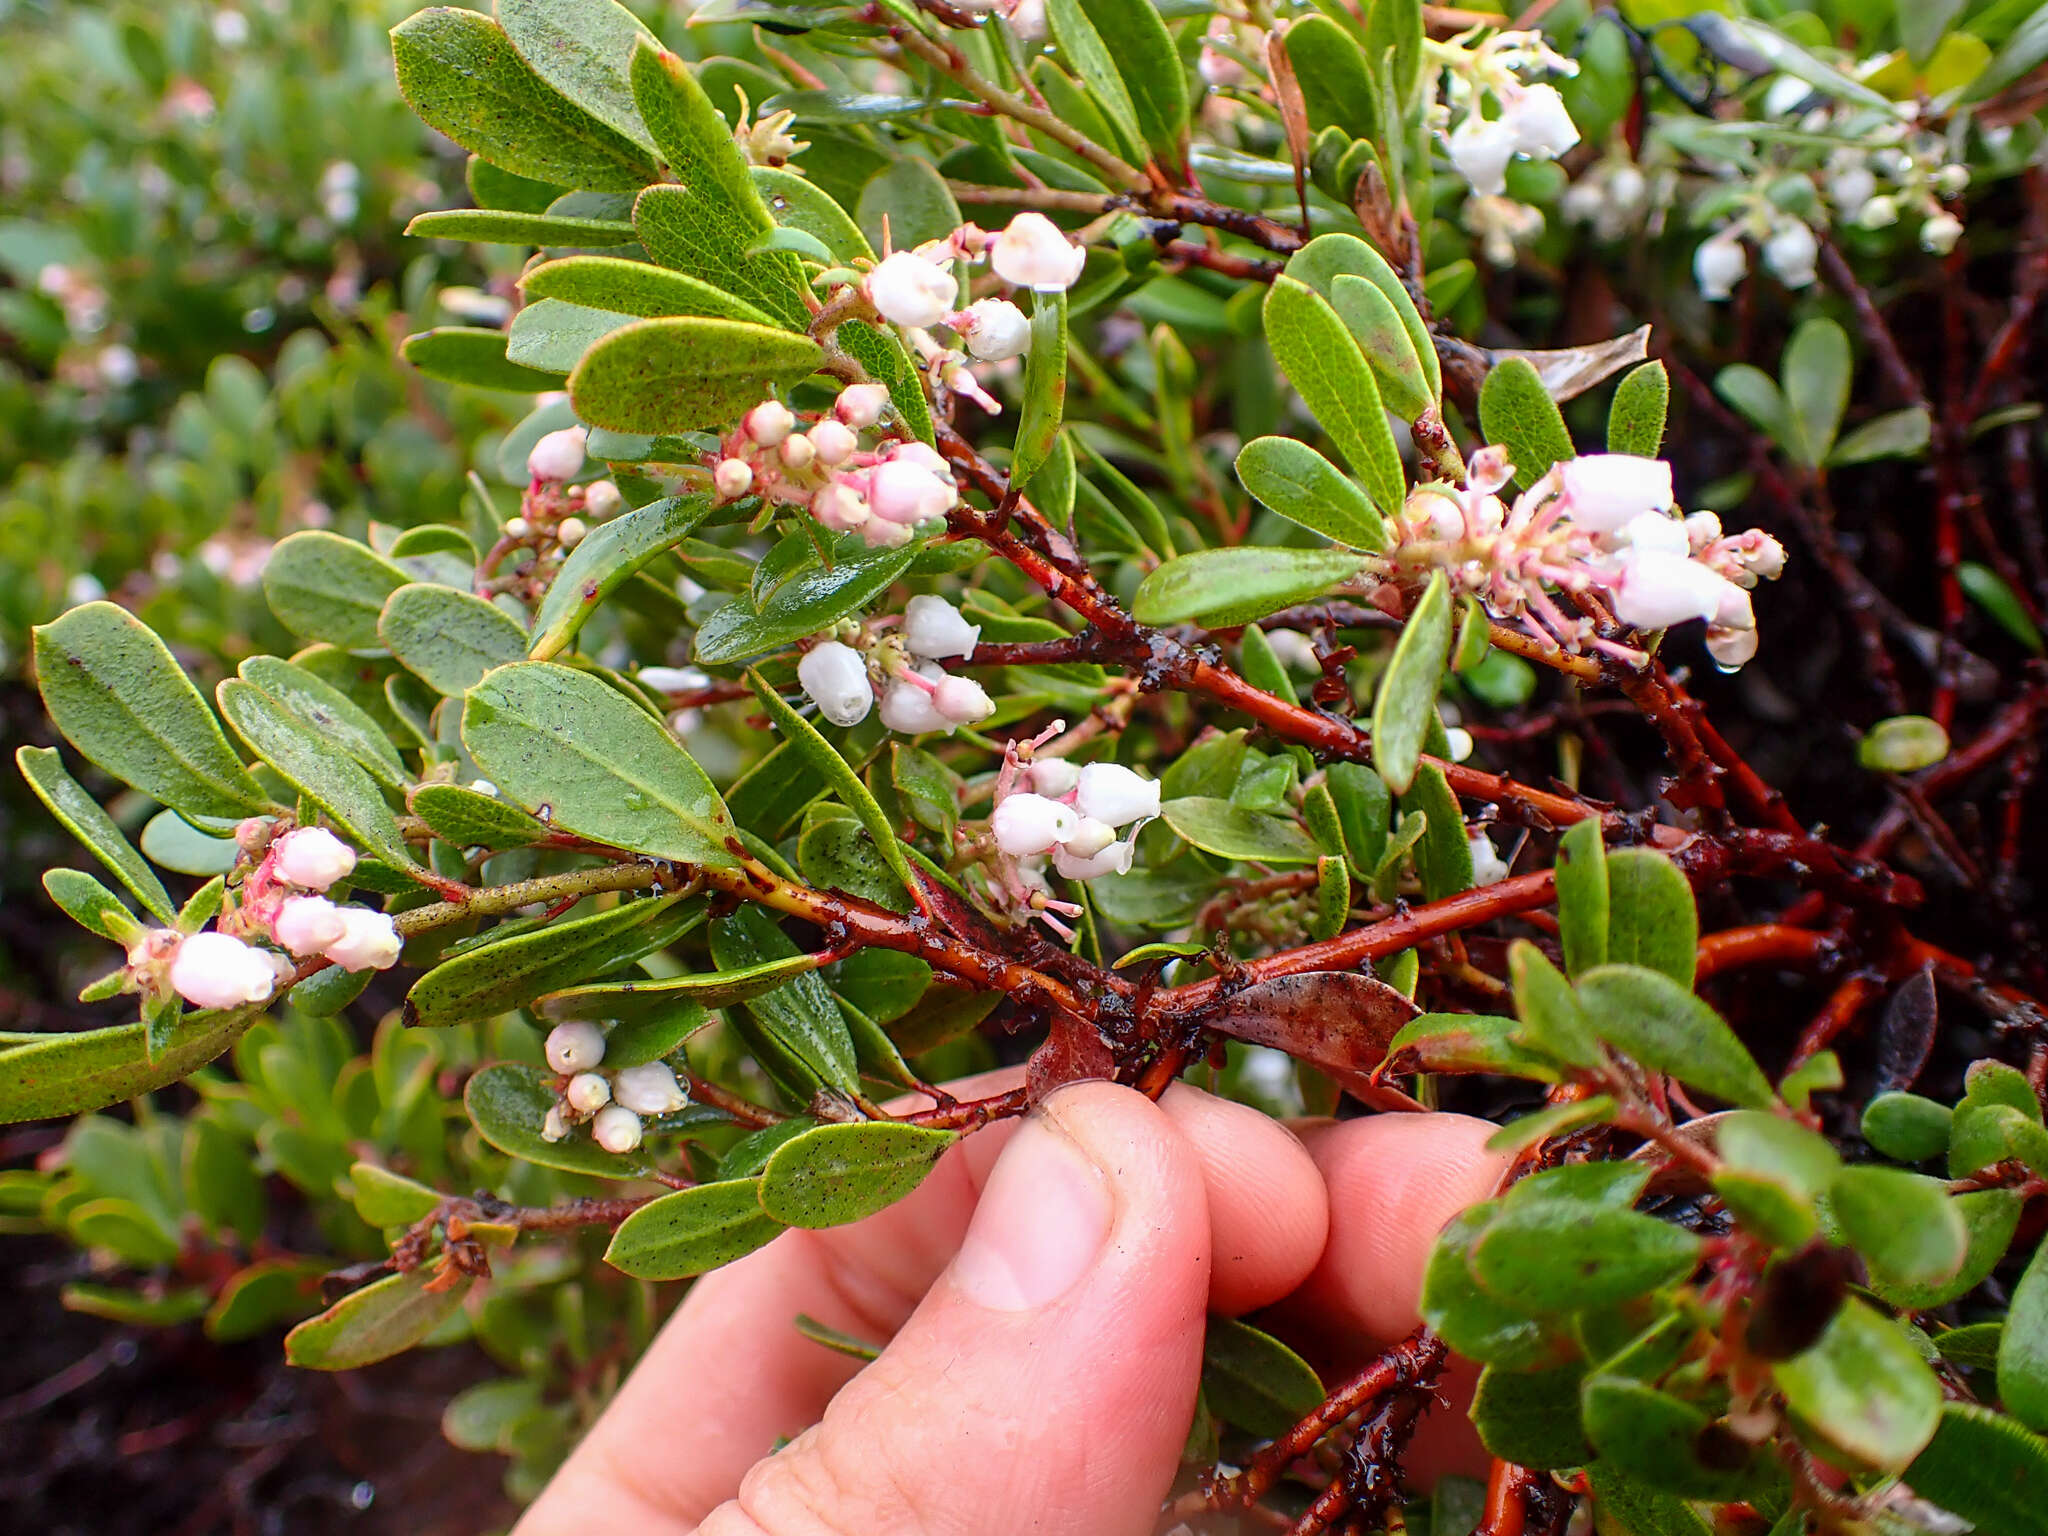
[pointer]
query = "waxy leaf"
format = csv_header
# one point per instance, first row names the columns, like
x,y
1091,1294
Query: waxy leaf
x,y
1647,1015
1652,921
2023,1352
553,334
1316,352
461,74
70,1074
840,1173
324,587
82,816
603,768
1662,1440
490,226
685,374
1907,1128
1635,417
1468,1318
692,1231
1405,707
1226,587
631,1001
1905,1225
1306,488
450,639
464,354
329,712
1557,1255
1328,258
470,819
91,905
1254,1381
1532,1417
608,555
1583,896
1231,832
1337,85
1863,1389
633,288
802,1036
812,600
1090,56
1467,1042
584,49
496,977
1553,1019
381,1320
1045,388
1151,70
1517,412
1815,376
115,692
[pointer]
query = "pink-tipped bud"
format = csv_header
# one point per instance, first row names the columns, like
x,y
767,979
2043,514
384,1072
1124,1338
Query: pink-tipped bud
x,y
995,330
907,494
908,709
834,442
1603,491
217,970
602,499
798,451
769,423
733,478
840,507
909,451
312,857
305,925
963,701
861,405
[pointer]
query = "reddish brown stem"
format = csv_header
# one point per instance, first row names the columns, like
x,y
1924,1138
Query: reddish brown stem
x,y
1763,944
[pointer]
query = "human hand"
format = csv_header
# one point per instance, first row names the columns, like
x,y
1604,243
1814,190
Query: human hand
x,y
1043,1293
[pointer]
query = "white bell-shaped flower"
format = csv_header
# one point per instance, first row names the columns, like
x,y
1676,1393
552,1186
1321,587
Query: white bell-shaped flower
x,y
1026,824
1114,794
1657,590
908,290
649,1089
576,1046
305,925
995,330
861,405
1731,648
904,492
962,701
1719,264
1543,129
587,1093
1656,530
616,1128
1480,152
312,857
1033,253
1790,254
836,677
769,423
217,970
933,628
1054,777
369,941
1111,859
558,455
1488,867
1605,491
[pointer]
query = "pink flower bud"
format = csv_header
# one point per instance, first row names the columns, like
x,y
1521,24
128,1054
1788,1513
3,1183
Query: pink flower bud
x,y
305,925
769,423
908,709
908,290
369,941
910,451
650,1089
1033,253
733,478
558,456
963,701
903,492
576,1046
861,405
1025,824
312,857
616,1129
570,532
798,451
834,442
217,970
880,534
1730,648
840,507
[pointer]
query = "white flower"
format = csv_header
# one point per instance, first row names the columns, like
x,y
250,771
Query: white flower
x,y
994,330
650,1089
1054,777
908,709
1702,529
836,677
1605,491
1657,590
905,492
963,701
1790,254
798,451
305,925
1656,531
1536,115
1719,264
733,478
1025,824
1952,180
1032,253
1850,188
616,1128
1488,867
1114,794
312,857
574,1047
1879,211
558,456
369,941
554,1125
1112,859
833,442
1026,18
933,628
217,970
587,1093
861,405
1089,839
908,290
1480,152
1785,94
1940,234
768,423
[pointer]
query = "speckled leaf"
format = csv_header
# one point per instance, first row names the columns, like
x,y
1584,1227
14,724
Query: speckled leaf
x,y
299,751
813,600
840,1173
685,374
1306,488
449,638
584,49
324,587
634,288
1405,706
1223,587
609,554
1517,412
466,354
1316,352
495,978
491,226
1647,1015
329,712
692,1231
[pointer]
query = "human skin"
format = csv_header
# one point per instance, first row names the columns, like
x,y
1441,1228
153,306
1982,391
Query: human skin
x,y
1042,1294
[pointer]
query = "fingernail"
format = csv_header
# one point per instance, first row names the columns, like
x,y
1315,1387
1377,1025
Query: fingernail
x,y
1043,1219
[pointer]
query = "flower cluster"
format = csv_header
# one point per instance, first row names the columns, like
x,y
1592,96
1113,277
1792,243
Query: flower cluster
x,y
917,694
280,902
614,1103
554,511
1600,523
1073,814
1530,120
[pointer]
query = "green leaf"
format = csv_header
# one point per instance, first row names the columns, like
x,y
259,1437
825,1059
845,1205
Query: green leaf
x,y
1254,1381
1984,1134
466,354
633,288
496,977
326,710
1314,349
461,74
1375,324
448,638
1756,395
1225,587
1337,86
1467,1318
1306,488
798,1020
1652,921
877,349
1902,434
609,554
1152,73
692,1231
1863,1389
1232,832
1583,896
115,692
1989,591
386,1199
1815,376
1553,1020
1990,1216
324,587
812,600
584,49
1531,1417
605,769
1362,808
1516,411
1903,744
2026,47
490,226
296,748
1974,1345
840,1173
1740,37
1905,1225
1907,1128
1984,1467
1635,417
911,195
1517,1136
685,374
1549,1256
795,203
256,1299
83,818
1045,388
91,905
1089,55
2023,1352
1405,705
1648,1016
1329,257
1640,1510
632,1001
468,819
221,1182
840,776
552,334
381,1320
73,1073
171,842
507,1104
1443,857
1660,1439
1465,1042
487,1417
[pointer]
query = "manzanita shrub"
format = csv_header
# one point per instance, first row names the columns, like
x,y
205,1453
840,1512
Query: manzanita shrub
x,y
1021,526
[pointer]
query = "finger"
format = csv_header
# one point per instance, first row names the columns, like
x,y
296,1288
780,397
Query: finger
x,y
1394,1182
730,1367
1046,1382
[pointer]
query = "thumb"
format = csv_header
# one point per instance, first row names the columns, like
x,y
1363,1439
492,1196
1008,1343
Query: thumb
x,y
1046,1381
